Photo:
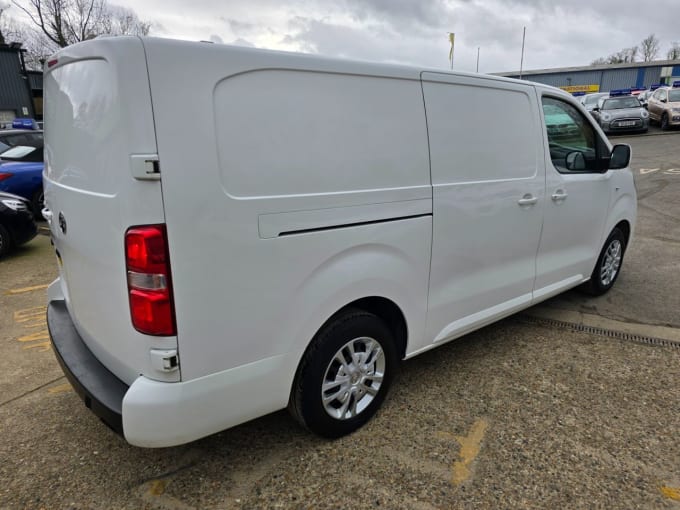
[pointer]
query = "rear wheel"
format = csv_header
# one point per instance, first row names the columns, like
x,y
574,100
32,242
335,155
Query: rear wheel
x,y
5,241
345,374
608,264
664,121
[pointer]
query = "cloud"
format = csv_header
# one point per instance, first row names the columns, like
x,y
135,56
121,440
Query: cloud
x,y
559,32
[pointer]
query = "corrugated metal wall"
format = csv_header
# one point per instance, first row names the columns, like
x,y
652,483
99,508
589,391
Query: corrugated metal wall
x,y
618,79
36,80
13,88
607,79
652,76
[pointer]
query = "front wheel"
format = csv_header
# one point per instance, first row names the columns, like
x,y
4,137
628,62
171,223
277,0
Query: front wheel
x,y
608,264
345,374
37,203
664,122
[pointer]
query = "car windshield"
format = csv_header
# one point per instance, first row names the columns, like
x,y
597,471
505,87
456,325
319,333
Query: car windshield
x,y
674,95
23,153
592,99
618,103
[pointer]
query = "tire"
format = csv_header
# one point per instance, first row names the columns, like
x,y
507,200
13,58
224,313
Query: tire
x,y
5,241
348,405
608,265
664,122
37,203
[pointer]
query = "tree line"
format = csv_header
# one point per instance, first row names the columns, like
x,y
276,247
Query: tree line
x,y
648,50
56,24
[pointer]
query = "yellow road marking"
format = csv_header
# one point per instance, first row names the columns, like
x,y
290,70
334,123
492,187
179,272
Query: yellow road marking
x,y
29,314
38,335
27,289
157,487
670,492
42,346
469,449
62,388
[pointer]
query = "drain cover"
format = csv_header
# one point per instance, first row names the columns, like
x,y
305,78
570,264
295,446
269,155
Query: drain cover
x,y
593,330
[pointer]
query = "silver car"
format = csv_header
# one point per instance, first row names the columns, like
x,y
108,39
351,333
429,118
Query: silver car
x,y
618,113
589,101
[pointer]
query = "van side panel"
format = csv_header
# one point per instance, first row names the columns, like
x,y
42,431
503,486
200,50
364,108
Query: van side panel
x,y
303,186
488,182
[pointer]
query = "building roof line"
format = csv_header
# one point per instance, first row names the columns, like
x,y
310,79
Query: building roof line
x,y
597,67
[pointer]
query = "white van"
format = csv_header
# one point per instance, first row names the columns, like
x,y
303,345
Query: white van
x,y
317,222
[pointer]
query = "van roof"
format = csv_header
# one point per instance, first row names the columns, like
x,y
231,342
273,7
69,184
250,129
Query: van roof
x,y
332,64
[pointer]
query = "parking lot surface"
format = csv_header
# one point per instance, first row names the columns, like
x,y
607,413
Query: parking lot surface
x,y
521,414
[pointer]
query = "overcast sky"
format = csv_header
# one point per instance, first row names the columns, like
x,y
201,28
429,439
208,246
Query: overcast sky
x,y
559,32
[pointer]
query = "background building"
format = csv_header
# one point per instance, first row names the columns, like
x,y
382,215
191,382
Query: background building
x,y
605,77
16,94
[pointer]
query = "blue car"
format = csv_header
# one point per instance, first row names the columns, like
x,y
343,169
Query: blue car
x,y
21,170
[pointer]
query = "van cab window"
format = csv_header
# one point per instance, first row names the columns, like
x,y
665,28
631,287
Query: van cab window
x,y
572,140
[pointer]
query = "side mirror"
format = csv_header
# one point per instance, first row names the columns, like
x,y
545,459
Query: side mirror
x,y
620,157
575,161
664,100
596,109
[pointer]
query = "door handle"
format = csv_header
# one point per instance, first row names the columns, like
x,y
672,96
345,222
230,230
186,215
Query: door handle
x,y
527,199
559,195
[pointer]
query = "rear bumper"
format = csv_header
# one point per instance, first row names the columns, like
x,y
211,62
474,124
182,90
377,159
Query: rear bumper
x,y
157,414
101,391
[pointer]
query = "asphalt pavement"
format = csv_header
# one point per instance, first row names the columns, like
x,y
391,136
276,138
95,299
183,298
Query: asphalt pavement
x,y
525,413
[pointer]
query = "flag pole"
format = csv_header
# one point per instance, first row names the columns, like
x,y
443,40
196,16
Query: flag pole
x,y
521,62
451,40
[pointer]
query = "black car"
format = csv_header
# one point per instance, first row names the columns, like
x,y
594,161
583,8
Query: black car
x,y
13,137
16,222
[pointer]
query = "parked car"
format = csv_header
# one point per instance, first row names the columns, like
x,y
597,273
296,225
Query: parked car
x,y
21,170
643,97
664,106
618,113
321,228
16,222
589,101
12,137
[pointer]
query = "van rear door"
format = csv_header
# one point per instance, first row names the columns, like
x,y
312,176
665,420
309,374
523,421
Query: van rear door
x,y
99,145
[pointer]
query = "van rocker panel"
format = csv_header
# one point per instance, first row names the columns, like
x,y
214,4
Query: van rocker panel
x,y
101,391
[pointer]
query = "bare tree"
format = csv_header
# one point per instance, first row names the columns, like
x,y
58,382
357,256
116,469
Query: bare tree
x,y
66,22
674,52
624,56
3,7
123,21
649,47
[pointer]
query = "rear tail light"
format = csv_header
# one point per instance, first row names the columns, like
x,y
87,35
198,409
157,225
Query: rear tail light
x,y
149,283
5,175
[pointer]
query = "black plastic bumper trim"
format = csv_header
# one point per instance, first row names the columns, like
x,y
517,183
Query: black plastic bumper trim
x,y
101,391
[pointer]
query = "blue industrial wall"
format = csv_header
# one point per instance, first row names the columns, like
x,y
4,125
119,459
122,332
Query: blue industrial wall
x,y
607,79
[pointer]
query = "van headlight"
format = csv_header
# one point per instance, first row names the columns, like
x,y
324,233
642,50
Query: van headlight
x,y
644,114
675,110
606,116
16,205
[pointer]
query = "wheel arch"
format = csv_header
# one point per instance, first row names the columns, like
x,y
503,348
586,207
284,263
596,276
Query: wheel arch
x,y
389,312
624,226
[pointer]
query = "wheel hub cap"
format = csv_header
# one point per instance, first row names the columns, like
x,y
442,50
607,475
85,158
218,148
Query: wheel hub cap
x,y
611,262
353,378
